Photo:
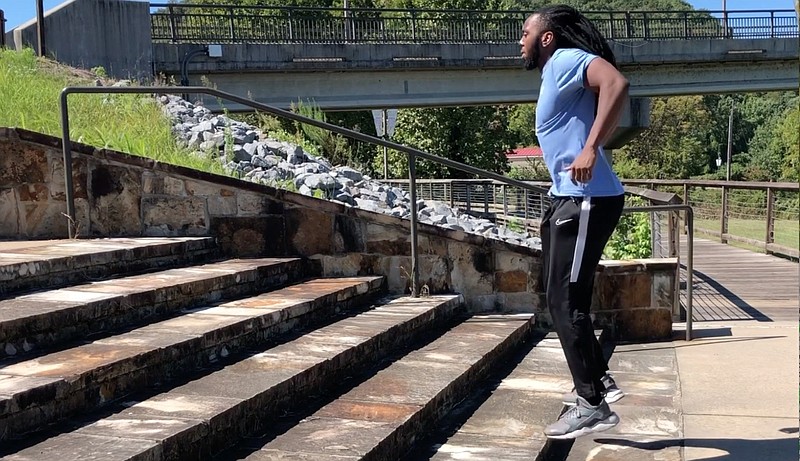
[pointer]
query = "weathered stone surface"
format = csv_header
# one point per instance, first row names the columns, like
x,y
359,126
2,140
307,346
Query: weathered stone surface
x,y
118,363
22,165
310,231
116,197
9,213
514,281
44,219
90,448
389,409
620,291
643,324
248,237
174,216
476,447
472,272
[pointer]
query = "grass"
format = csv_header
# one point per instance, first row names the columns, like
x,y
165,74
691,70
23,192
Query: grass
x,y
29,99
786,232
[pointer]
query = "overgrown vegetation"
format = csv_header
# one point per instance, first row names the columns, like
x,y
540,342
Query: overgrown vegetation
x,y
29,99
631,239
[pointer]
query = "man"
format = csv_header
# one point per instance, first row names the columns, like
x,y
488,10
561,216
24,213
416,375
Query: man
x,y
581,97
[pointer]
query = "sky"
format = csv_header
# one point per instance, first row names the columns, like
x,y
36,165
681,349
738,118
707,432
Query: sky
x,y
19,11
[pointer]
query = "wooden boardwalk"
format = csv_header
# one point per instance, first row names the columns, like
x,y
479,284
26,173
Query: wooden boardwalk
x,y
735,284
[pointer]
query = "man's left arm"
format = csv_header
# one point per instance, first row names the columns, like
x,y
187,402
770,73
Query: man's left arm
x,y
612,89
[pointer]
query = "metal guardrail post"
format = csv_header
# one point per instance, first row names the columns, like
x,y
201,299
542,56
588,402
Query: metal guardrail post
x,y
232,24
772,24
689,254
724,221
173,27
770,237
485,198
66,146
412,186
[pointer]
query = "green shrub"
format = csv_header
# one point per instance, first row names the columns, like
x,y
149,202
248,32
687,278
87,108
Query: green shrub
x,y
631,238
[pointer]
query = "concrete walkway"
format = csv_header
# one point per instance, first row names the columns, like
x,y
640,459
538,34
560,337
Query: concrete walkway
x,y
740,386
731,394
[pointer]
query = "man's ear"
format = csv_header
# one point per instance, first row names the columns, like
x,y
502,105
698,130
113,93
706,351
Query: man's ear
x,y
547,39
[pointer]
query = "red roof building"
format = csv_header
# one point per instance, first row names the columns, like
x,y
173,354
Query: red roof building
x,y
523,154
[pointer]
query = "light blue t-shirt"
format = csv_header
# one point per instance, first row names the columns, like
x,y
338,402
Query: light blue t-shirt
x,y
564,115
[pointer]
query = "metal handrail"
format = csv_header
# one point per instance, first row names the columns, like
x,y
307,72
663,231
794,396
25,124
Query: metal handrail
x,y
411,152
689,252
284,24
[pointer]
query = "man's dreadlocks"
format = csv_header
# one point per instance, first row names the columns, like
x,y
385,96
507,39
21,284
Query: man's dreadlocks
x,y
573,30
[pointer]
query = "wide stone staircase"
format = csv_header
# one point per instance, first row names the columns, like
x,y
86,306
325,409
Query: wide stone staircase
x,y
163,349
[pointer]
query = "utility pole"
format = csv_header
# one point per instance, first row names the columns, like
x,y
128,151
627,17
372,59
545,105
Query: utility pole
x,y
40,26
730,144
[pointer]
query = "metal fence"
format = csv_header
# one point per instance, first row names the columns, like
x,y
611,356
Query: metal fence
x,y
762,215
523,209
182,23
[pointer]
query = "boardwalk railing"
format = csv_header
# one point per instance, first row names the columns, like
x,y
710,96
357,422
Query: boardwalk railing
x,y
763,215
522,209
186,23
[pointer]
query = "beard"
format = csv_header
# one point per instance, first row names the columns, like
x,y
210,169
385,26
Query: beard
x,y
532,60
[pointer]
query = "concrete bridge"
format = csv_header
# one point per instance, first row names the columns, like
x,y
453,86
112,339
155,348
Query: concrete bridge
x,y
360,59
354,60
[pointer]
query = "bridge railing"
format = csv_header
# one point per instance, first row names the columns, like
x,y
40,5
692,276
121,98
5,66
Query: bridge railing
x,y
185,23
762,215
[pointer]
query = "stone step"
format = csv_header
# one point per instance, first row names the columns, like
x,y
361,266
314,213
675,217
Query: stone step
x,y
37,264
213,412
40,391
42,320
508,423
383,418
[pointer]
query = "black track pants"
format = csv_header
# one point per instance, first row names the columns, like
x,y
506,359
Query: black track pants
x,y
574,232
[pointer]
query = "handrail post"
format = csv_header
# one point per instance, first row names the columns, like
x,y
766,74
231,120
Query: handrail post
x,y
772,24
685,25
505,202
291,28
486,198
724,223
628,25
412,186
770,237
685,200
232,24
66,147
413,26
689,272
173,26
525,192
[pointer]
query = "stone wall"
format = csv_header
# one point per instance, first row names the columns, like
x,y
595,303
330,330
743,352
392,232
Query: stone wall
x,y
122,195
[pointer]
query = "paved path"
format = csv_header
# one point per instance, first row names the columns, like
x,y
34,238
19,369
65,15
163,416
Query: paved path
x,y
728,395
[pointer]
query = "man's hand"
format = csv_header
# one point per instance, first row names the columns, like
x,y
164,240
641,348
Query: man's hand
x,y
581,168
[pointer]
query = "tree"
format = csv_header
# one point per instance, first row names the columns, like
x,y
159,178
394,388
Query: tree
x,y
674,145
477,136
522,124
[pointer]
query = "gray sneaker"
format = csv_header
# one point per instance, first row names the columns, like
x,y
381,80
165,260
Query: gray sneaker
x,y
612,393
582,419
